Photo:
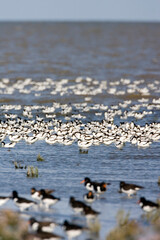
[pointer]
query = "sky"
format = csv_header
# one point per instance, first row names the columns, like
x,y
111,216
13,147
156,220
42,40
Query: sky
x,y
80,10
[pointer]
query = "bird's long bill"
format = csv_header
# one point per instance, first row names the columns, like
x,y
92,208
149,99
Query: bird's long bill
x,y
82,181
90,194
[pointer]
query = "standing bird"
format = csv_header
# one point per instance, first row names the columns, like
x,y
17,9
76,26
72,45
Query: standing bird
x,y
22,203
88,184
47,199
8,145
76,205
73,230
147,205
129,189
3,200
46,226
35,193
98,187
39,235
90,213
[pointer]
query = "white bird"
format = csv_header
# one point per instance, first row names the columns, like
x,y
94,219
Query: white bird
x,y
8,145
84,144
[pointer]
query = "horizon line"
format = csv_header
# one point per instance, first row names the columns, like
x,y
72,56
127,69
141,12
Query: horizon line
x,y
80,20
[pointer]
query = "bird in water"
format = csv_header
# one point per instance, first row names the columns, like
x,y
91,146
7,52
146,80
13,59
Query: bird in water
x,y
129,189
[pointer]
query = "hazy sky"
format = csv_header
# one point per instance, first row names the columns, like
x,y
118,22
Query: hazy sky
x,y
133,10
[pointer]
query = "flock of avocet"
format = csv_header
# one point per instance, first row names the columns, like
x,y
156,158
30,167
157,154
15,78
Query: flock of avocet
x,y
86,135
68,123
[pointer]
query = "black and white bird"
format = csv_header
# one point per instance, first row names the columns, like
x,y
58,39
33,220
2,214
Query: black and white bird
x,y
46,226
3,200
77,205
129,189
147,205
22,203
8,145
101,187
47,199
35,194
40,235
88,184
73,230
97,187
89,197
90,213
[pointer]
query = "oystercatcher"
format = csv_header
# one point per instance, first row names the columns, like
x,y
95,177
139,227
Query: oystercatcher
x,y
98,187
76,205
35,193
47,199
46,235
3,200
73,230
88,184
129,189
147,205
22,203
89,197
46,226
89,212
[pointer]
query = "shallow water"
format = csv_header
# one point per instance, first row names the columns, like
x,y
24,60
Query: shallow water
x,y
105,52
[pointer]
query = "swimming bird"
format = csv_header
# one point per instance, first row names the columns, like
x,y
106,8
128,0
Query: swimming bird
x,y
46,226
147,205
129,188
73,230
47,199
22,203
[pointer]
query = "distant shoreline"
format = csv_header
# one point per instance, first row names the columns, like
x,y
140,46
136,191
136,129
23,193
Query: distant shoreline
x,y
81,21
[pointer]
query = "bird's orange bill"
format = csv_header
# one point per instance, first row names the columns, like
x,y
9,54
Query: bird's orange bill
x,y
82,181
90,194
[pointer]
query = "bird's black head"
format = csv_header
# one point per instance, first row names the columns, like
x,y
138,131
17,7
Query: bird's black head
x,y
87,180
142,199
72,199
122,184
42,192
32,220
65,223
14,194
